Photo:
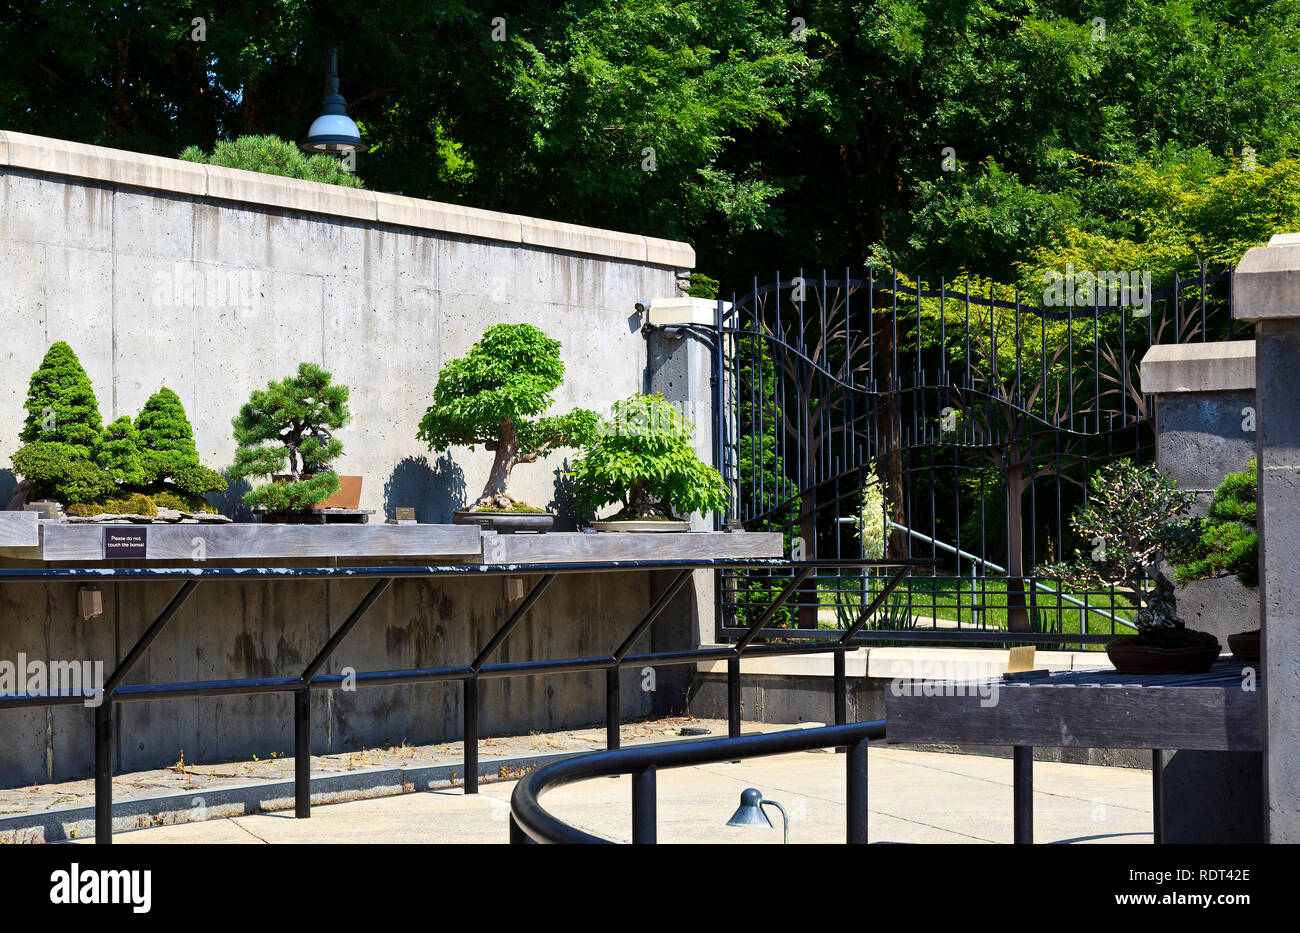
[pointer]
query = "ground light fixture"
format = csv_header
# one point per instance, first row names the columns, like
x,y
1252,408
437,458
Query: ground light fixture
x,y
333,131
750,812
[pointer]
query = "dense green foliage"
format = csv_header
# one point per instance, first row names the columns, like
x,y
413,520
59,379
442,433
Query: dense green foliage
x,y
1135,518
642,458
61,406
783,135
285,428
1228,542
119,453
494,396
274,156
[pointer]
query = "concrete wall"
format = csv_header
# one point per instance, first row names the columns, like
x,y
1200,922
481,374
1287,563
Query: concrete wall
x,y
213,281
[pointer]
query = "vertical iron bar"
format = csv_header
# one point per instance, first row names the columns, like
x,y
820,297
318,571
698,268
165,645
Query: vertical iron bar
x,y
611,708
1022,777
471,734
841,688
733,697
104,771
1157,796
644,806
302,753
856,793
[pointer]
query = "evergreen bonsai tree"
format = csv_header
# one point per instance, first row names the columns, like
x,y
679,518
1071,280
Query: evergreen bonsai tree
x,y
167,449
643,459
293,416
1135,518
61,433
119,453
495,396
1228,542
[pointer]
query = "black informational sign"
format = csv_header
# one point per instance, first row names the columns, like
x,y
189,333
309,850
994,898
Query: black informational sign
x,y
124,543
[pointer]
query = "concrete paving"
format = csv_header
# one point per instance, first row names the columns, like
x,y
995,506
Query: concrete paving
x,y
914,797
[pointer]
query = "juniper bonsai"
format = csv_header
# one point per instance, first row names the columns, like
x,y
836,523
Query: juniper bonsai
x,y
1135,518
1228,543
643,459
61,433
294,417
167,448
495,396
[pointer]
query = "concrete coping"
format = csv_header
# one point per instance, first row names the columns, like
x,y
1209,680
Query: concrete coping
x,y
174,176
701,312
1266,283
908,663
1199,367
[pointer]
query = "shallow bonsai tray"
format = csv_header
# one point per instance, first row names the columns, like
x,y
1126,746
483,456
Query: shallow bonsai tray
x,y
318,517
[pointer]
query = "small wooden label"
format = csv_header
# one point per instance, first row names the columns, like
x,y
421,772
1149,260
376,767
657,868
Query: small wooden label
x,y
404,514
125,543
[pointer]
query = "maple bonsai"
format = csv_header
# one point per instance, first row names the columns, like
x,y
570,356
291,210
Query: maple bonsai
x,y
495,396
643,459
285,429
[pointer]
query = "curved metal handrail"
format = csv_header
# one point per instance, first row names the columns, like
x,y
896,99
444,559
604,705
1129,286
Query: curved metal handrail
x,y
531,822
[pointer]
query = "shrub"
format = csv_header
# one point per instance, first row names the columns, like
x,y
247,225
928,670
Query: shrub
x,y
61,405
166,438
493,396
273,156
197,480
1228,542
644,460
119,453
293,416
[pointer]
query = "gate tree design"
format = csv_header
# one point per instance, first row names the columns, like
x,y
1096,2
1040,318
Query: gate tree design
x,y
828,385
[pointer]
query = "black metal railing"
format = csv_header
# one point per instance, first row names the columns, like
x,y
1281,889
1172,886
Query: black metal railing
x,y
531,822
874,416
115,690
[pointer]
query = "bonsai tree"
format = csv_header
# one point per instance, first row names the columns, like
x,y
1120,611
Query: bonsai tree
x,y
119,453
293,416
167,448
495,396
61,432
1228,543
643,460
1134,519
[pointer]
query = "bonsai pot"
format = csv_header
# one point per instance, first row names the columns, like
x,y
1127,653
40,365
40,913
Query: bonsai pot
x,y
1245,645
347,496
642,525
505,522
1143,659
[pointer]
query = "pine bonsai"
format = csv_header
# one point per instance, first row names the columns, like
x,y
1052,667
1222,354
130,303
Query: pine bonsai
x,y
1135,518
494,396
1228,543
643,459
294,416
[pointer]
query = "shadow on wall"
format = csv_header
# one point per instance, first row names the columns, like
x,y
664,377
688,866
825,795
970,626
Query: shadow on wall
x,y
8,483
231,502
565,507
434,490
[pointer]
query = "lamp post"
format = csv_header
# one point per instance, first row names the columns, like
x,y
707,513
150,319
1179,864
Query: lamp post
x,y
333,131
750,812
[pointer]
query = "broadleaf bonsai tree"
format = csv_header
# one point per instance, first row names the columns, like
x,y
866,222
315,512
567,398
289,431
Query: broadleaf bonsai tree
x,y
285,428
1228,543
495,396
1135,518
642,459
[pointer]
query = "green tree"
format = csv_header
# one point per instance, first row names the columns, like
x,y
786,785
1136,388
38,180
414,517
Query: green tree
x,y
61,406
119,453
166,438
1228,540
274,156
643,459
294,417
494,396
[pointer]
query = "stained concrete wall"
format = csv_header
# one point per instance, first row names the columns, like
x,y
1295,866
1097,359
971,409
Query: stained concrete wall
x,y
213,281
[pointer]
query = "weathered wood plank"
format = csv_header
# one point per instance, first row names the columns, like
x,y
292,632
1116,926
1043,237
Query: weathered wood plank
x,y
19,529
1206,718
576,547
236,542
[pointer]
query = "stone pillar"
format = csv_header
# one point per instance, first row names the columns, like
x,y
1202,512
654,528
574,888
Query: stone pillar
x,y
680,368
1266,290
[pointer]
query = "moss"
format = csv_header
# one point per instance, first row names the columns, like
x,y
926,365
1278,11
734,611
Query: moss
x,y
136,503
515,507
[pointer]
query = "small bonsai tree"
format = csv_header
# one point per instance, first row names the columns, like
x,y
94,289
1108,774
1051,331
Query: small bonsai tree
x,y
495,396
294,416
167,448
1135,518
643,459
119,453
1228,542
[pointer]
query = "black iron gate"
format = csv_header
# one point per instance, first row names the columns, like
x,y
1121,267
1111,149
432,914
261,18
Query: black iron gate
x,y
877,417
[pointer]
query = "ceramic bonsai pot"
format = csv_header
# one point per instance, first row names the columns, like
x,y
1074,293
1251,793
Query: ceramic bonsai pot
x,y
1245,645
641,525
1142,659
348,495
505,522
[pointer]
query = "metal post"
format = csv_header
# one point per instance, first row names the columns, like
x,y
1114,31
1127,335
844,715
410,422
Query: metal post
x,y
644,806
302,753
1157,796
856,793
611,708
1022,778
471,734
841,689
733,697
104,772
